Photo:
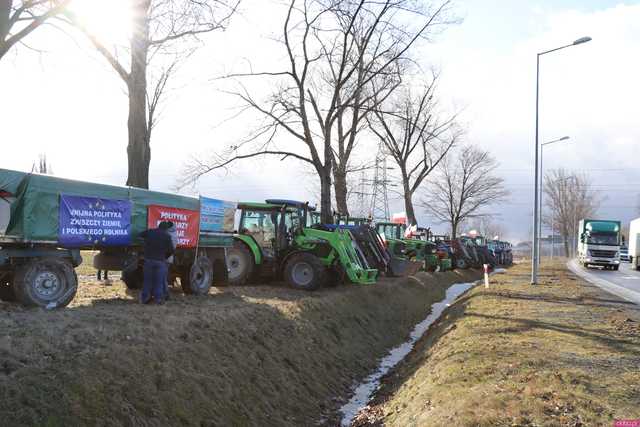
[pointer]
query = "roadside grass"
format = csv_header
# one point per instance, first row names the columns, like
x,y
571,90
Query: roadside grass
x,y
561,353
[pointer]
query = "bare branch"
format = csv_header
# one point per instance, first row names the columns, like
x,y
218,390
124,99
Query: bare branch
x,y
463,188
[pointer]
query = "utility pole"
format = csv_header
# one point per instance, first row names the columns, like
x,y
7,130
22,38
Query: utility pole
x,y
380,194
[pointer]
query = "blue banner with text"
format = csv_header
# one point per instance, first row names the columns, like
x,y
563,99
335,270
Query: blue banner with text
x,y
90,221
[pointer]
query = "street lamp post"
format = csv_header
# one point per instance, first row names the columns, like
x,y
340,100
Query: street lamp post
x,y
564,138
534,258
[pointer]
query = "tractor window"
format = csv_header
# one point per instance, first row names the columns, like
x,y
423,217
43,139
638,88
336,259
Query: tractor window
x,y
259,225
292,220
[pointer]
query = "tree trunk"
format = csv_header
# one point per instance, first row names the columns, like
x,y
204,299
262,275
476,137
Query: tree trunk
x,y
408,204
454,229
340,187
326,214
5,15
138,149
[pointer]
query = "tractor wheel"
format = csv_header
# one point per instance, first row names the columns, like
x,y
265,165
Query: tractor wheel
x,y
133,274
197,278
461,264
240,264
45,282
305,271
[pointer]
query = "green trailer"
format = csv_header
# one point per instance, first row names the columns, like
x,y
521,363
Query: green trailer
x,y
42,234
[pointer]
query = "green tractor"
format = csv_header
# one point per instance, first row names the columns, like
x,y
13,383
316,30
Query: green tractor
x,y
399,246
274,241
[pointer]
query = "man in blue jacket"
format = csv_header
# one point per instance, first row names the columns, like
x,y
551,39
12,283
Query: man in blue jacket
x,y
157,248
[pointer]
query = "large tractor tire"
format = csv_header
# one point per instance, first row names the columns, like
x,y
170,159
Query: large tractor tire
x,y
45,282
305,271
133,274
197,278
240,264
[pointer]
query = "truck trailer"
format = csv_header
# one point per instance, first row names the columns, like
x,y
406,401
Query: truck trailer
x,y
634,243
599,243
45,222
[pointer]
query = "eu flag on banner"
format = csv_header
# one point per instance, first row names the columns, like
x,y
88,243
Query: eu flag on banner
x,y
90,221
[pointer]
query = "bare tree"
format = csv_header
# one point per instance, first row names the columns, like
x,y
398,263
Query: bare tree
x,y
464,186
334,49
487,226
18,19
416,135
164,32
42,165
570,198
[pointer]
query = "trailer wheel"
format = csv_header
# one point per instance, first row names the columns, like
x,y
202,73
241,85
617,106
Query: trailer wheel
x,y
197,278
305,271
240,264
46,282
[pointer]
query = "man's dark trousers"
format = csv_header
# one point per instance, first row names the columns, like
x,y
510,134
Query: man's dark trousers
x,y
155,278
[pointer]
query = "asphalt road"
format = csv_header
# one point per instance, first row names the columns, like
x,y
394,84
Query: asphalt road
x,y
624,283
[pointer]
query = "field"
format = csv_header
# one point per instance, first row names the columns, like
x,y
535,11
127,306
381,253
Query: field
x,y
254,355
563,353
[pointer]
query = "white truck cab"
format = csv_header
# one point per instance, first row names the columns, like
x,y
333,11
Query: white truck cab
x,y
599,243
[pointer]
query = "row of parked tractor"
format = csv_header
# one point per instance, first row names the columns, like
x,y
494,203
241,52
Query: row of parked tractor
x,y
46,222
285,238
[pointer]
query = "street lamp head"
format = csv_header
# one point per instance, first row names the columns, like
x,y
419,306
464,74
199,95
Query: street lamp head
x,y
582,40
564,138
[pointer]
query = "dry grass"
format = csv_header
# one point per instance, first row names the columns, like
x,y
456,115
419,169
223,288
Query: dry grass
x,y
240,356
560,354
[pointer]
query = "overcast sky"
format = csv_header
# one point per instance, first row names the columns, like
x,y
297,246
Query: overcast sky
x,y
66,102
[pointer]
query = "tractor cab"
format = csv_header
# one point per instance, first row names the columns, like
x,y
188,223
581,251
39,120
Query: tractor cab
x,y
270,226
412,248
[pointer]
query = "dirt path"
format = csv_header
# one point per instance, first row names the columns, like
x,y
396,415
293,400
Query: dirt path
x,y
562,353
256,355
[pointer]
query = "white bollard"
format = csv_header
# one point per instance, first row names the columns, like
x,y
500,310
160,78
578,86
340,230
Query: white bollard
x,y
486,276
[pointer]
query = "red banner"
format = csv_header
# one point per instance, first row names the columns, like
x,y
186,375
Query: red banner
x,y
187,223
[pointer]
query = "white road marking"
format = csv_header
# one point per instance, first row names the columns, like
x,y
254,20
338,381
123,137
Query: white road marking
x,y
598,280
